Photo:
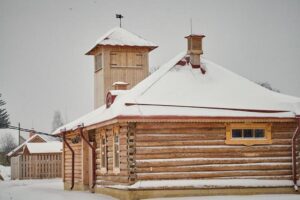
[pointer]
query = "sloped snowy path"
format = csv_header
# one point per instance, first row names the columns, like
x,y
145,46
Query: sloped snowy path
x,y
51,189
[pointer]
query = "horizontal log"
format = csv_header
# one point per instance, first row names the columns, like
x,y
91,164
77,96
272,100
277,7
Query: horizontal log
x,y
282,135
180,143
174,130
116,179
168,162
216,149
222,167
141,138
213,155
191,175
111,173
178,125
282,141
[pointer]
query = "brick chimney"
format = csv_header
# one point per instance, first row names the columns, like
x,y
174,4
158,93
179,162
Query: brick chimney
x,y
195,49
120,85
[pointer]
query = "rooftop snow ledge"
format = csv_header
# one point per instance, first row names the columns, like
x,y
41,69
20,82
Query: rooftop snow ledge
x,y
211,183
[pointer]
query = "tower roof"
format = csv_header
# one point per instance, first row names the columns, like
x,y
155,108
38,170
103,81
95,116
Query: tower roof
x,y
121,37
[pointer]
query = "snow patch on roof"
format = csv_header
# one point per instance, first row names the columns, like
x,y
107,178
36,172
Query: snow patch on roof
x,y
49,147
121,37
175,90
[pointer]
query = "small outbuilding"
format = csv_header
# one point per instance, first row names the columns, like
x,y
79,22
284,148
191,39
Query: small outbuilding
x,y
37,158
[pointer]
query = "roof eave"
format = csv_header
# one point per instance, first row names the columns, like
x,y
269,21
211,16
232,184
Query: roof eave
x,y
91,52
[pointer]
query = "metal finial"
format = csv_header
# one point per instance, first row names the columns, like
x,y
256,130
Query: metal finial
x,y
119,16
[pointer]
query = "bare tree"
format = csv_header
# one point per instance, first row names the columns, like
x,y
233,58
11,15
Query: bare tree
x,y
7,142
4,117
57,120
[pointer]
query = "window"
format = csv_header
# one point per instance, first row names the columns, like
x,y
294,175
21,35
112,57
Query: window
x,y
116,150
126,59
139,59
114,61
98,62
103,149
248,133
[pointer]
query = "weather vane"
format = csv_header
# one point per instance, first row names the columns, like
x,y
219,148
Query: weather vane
x,y
119,16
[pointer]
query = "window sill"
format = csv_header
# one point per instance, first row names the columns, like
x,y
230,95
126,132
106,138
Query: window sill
x,y
133,67
248,142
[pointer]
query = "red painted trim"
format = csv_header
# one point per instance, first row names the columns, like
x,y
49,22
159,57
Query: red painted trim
x,y
207,107
73,159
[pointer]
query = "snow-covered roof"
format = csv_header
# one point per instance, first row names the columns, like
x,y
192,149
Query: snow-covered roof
x,y
43,137
121,37
48,147
180,91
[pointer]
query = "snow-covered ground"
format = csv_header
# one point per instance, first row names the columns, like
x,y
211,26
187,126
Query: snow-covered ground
x,y
5,172
52,189
49,189
246,197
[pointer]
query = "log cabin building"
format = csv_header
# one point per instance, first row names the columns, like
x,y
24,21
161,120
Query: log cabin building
x,y
190,128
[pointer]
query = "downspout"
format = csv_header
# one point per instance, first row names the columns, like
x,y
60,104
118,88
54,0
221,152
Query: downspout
x,y
73,159
93,156
294,153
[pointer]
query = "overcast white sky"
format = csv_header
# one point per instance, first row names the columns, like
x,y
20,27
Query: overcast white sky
x,y
42,45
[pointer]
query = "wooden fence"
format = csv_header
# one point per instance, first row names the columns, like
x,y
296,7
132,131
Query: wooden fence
x,y
38,166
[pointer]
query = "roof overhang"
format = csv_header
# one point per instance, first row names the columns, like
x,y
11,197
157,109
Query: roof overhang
x,y
94,49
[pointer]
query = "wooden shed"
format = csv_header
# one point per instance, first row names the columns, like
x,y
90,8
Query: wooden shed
x,y
37,158
190,128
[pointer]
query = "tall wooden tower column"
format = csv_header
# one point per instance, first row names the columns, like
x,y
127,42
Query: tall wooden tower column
x,y
120,56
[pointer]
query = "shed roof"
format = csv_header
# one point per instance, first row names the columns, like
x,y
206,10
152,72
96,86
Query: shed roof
x,y
29,140
121,37
177,90
49,147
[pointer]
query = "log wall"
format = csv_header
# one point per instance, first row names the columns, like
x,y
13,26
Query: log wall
x,y
111,177
67,165
198,150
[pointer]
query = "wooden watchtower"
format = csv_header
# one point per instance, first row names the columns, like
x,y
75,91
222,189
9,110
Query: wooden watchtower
x,y
120,56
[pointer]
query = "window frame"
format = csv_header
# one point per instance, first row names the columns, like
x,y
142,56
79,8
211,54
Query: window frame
x,y
116,132
119,59
267,139
100,55
103,169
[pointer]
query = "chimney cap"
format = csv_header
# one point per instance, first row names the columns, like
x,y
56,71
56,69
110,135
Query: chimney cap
x,y
195,35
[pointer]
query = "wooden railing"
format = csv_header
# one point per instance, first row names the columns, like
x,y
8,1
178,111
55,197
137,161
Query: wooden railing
x,y
39,166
